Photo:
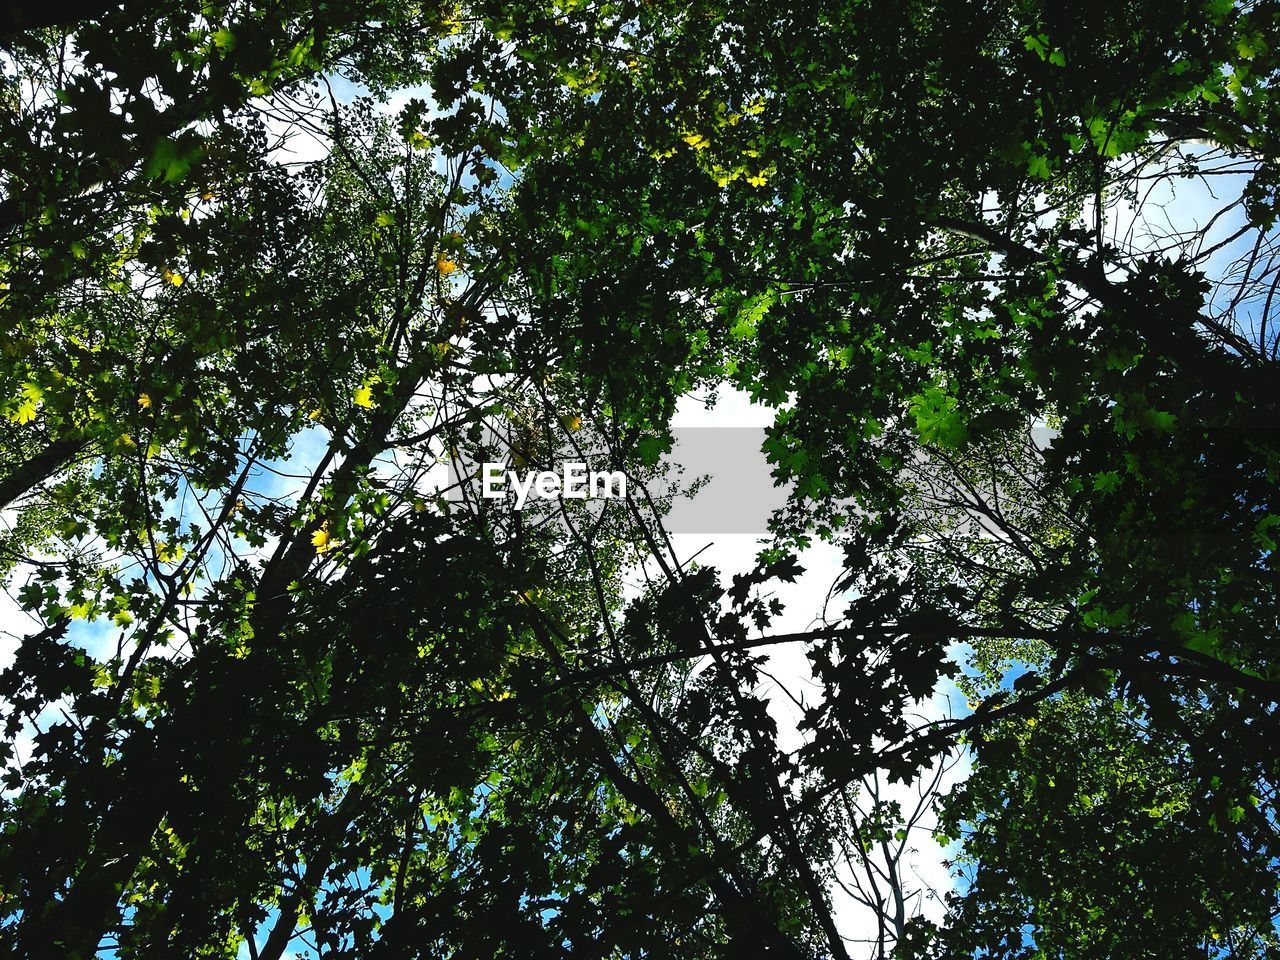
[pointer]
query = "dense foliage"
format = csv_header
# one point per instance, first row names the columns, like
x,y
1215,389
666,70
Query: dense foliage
x,y
1005,272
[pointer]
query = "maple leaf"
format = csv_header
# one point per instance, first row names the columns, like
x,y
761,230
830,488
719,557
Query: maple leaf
x,y
25,413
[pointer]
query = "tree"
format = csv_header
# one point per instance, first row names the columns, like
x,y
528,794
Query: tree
x,y
338,713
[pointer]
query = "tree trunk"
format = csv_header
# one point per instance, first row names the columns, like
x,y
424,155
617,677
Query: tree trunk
x,y
38,468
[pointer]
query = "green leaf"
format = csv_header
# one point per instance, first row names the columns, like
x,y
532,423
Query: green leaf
x,y
938,419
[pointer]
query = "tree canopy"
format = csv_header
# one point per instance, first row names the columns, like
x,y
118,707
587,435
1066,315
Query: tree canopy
x,y
1004,274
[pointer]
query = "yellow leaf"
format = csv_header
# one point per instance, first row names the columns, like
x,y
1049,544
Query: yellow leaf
x,y
440,349
363,396
757,180
320,539
173,277
144,401
697,141
445,266
573,424
25,413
